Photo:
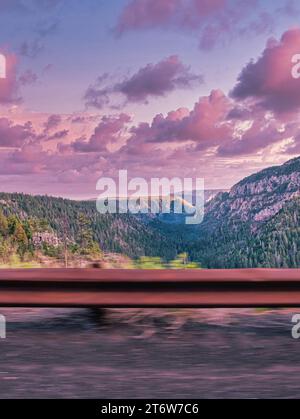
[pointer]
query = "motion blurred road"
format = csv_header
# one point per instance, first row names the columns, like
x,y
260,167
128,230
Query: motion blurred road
x,y
149,354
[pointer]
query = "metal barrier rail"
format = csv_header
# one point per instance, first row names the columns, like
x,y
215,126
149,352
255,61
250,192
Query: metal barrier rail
x,y
149,288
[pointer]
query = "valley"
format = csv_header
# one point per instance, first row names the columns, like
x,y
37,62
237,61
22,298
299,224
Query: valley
x,y
254,225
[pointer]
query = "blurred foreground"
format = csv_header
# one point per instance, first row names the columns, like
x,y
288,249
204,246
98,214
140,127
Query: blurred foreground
x,y
149,354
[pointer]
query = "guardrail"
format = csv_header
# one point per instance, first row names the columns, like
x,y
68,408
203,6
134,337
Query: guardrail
x,y
149,288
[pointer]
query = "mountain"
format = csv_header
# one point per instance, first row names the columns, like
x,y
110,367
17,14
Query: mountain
x,y
255,224
259,197
124,234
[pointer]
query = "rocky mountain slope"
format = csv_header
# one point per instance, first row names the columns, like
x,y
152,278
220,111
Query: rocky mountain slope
x,y
255,224
258,198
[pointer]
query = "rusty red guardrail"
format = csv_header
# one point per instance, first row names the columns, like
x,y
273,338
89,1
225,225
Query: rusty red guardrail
x,y
149,288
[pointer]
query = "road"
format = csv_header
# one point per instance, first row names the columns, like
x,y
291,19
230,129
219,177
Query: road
x,y
149,354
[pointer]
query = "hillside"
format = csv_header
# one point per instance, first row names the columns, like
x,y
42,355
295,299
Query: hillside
x,y
259,197
114,233
255,224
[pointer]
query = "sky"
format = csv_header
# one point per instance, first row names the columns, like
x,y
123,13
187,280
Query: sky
x,y
160,88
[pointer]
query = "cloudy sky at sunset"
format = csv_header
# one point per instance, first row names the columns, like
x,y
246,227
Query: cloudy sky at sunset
x,y
186,88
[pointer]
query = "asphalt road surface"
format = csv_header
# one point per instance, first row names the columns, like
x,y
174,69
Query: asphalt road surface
x,y
149,354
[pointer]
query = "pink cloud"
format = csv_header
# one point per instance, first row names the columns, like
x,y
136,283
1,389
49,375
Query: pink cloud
x,y
260,135
108,131
217,129
29,159
205,125
269,80
213,21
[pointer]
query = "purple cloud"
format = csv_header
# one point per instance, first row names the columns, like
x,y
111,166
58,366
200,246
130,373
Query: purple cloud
x,y
140,14
153,80
110,130
52,122
31,49
12,136
157,80
28,77
213,21
145,14
59,135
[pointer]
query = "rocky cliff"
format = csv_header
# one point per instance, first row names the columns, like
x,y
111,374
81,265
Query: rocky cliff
x,y
255,224
258,198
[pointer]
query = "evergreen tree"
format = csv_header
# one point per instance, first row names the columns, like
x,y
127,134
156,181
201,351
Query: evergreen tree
x,y
3,224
